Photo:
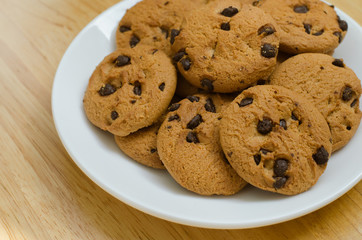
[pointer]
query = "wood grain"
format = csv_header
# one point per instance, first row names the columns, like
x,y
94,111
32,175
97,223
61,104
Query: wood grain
x,y
44,195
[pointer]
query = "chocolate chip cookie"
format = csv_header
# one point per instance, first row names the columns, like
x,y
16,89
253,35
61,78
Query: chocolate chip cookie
x,y
306,25
330,85
141,146
188,145
226,46
129,90
275,139
154,22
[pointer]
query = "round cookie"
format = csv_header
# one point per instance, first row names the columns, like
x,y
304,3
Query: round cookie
x,y
141,146
129,90
306,25
275,139
188,145
330,85
154,22
226,46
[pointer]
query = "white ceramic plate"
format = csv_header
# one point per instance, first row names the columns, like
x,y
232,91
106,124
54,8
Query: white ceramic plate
x,y
154,191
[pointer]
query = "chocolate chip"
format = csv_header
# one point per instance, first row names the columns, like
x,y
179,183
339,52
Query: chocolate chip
x,y
349,128
280,167
186,64
339,35
153,150
106,90
266,30
229,12
268,50
246,102
192,138
265,126
195,122
193,98
307,27
122,60
338,63
137,88
255,3
320,32
321,156
208,84
332,6
178,56
114,115
174,117
279,182
301,9
257,159
209,106
166,3
165,32
134,41
283,124
225,26
354,103
123,29
347,94
174,107
343,25
174,33
133,101
162,87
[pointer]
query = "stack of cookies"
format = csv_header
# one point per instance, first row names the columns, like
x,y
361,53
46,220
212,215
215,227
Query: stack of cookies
x,y
225,93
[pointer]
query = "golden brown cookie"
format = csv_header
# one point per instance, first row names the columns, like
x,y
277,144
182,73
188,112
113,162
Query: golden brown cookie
x,y
188,145
141,146
154,22
306,25
226,46
330,85
275,139
129,90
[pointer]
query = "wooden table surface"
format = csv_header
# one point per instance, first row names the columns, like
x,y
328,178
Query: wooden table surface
x,y
44,195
